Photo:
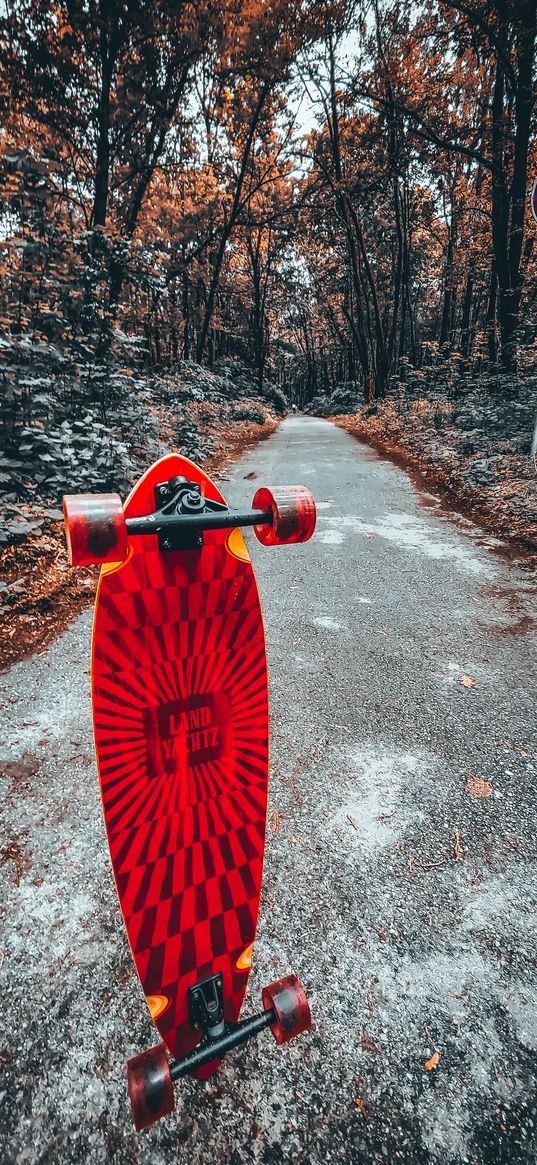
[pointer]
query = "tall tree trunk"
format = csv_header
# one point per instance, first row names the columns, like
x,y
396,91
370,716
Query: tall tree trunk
x,y
260,280
108,49
466,311
508,204
155,140
449,278
229,224
490,322
186,317
524,100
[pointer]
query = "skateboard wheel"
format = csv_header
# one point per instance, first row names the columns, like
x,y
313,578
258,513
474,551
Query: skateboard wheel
x,y
95,528
288,1000
151,1088
293,514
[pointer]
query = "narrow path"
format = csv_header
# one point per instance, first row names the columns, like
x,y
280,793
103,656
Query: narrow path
x,y
405,902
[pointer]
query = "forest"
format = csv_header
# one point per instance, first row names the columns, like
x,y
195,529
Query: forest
x,y
323,205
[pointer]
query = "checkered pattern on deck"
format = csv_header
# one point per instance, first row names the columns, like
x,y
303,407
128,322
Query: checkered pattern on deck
x,y
181,729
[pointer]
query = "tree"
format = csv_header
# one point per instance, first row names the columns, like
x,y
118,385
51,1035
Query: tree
x,y
257,53
102,81
486,54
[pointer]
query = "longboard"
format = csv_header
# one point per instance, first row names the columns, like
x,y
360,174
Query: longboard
x,y
180,707
180,710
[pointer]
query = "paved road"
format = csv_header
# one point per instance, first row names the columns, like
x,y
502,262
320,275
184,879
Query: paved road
x,y
406,903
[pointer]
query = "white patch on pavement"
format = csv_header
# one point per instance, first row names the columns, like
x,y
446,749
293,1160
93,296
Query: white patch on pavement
x,y
329,537
444,1127
416,534
521,1003
328,624
427,998
497,901
374,816
455,670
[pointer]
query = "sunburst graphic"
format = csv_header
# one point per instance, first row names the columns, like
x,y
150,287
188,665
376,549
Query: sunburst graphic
x,y
186,834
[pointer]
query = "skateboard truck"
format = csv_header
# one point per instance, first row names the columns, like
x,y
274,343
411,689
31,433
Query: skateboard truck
x,y
98,529
206,1006
151,1075
182,515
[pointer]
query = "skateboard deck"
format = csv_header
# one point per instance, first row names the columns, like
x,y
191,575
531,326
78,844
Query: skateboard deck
x,y
180,708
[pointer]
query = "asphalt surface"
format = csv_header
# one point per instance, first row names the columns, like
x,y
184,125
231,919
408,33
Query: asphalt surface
x,y
405,902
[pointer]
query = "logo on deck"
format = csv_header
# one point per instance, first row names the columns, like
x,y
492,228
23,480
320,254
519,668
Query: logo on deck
x,y
188,732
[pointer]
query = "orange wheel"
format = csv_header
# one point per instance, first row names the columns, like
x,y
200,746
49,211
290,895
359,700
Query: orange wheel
x,y
288,1000
293,514
151,1088
95,528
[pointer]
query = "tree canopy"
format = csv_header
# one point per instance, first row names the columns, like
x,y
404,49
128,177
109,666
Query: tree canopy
x,y
327,191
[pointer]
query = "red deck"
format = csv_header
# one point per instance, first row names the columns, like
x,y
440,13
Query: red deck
x,y
181,731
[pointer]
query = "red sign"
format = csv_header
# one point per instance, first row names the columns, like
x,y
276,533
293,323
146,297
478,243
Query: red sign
x,y
533,200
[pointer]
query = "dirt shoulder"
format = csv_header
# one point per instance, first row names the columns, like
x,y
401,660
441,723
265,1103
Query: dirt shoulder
x,y
39,592
496,488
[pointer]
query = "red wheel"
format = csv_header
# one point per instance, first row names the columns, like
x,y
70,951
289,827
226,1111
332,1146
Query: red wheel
x,y
293,514
288,1000
95,528
150,1087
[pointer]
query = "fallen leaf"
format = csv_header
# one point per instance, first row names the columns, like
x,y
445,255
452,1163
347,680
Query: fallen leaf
x,y
369,1044
361,1105
457,847
467,682
433,1062
276,822
12,853
477,786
